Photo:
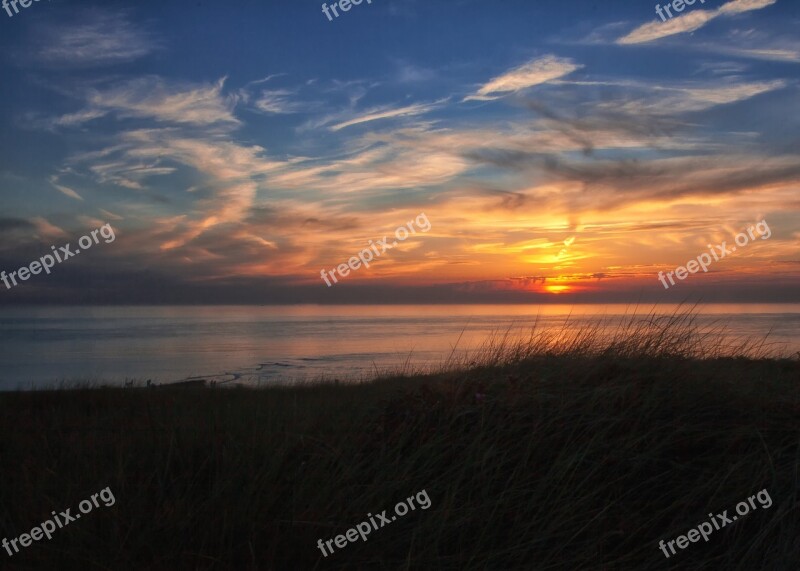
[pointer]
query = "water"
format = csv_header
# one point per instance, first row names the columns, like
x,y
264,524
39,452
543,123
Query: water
x,y
271,344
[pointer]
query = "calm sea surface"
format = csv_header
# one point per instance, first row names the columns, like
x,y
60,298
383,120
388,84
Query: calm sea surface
x,y
270,344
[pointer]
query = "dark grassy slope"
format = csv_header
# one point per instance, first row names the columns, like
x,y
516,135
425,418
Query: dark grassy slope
x,y
569,462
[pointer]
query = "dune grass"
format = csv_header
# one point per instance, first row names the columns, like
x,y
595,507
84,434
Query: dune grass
x,y
572,452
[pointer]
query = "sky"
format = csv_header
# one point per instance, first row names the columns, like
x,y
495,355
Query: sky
x,y
562,151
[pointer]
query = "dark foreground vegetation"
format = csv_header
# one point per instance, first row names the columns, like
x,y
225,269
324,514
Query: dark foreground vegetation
x,y
579,458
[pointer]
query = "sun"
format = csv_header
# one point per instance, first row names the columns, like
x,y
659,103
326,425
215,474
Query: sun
x,y
556,289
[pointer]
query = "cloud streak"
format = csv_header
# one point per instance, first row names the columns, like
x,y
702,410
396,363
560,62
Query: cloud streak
x,y
99,38
154,98
530,74
377,114
689,22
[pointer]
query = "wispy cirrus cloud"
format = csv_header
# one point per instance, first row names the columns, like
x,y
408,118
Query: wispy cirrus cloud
x,y
535,72
98,37
739,6
708,96
409,73
378,113
77,118
678,25
64,189
789,55
757,44
155,98
266,79
671,100
229,169
690,21
278,101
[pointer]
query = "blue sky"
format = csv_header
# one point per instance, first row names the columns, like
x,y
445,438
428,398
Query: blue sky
x,y
560,149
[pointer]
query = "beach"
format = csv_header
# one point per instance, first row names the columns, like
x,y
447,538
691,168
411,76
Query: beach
x,y
263,345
